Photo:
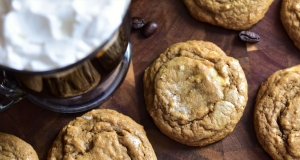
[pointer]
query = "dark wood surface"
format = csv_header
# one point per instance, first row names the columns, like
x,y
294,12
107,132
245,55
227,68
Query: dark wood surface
x,y
275,51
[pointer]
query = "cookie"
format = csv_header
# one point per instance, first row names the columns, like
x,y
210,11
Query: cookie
x,y
14,148
236,15
290,18
195,93
277,114
102,134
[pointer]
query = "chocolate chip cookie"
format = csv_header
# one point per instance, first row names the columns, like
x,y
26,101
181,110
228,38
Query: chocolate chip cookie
x,y
290,18
236,15
102,134
195,93
12,147
277,114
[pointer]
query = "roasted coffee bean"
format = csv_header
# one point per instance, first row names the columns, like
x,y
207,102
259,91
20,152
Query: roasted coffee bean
x,y
248,36
137,22
149,29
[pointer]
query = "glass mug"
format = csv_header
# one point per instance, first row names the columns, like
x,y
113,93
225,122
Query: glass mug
x,y
78,87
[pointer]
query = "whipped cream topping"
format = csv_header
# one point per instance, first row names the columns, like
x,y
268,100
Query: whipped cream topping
x,y
43,35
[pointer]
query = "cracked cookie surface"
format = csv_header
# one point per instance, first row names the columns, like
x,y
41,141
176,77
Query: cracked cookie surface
x,y
12,147
102,134
277,114
195,93
236,15
290,18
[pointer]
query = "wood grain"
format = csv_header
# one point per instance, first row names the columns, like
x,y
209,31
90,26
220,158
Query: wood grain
x,y
275,51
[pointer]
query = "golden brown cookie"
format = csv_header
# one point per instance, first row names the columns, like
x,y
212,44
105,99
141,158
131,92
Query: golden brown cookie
x,y
290,18
195,93
277,114
14,148
102,134
236,15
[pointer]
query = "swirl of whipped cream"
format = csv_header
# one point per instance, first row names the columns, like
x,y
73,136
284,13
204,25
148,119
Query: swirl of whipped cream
x,y
43,35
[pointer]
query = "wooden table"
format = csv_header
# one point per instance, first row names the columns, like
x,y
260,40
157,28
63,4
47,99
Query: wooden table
x,y
275,51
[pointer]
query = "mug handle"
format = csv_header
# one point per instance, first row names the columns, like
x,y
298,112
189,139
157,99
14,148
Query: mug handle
x,y
11,92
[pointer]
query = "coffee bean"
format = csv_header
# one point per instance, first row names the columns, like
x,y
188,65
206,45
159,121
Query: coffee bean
x,y
137,22
248,36
149,29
